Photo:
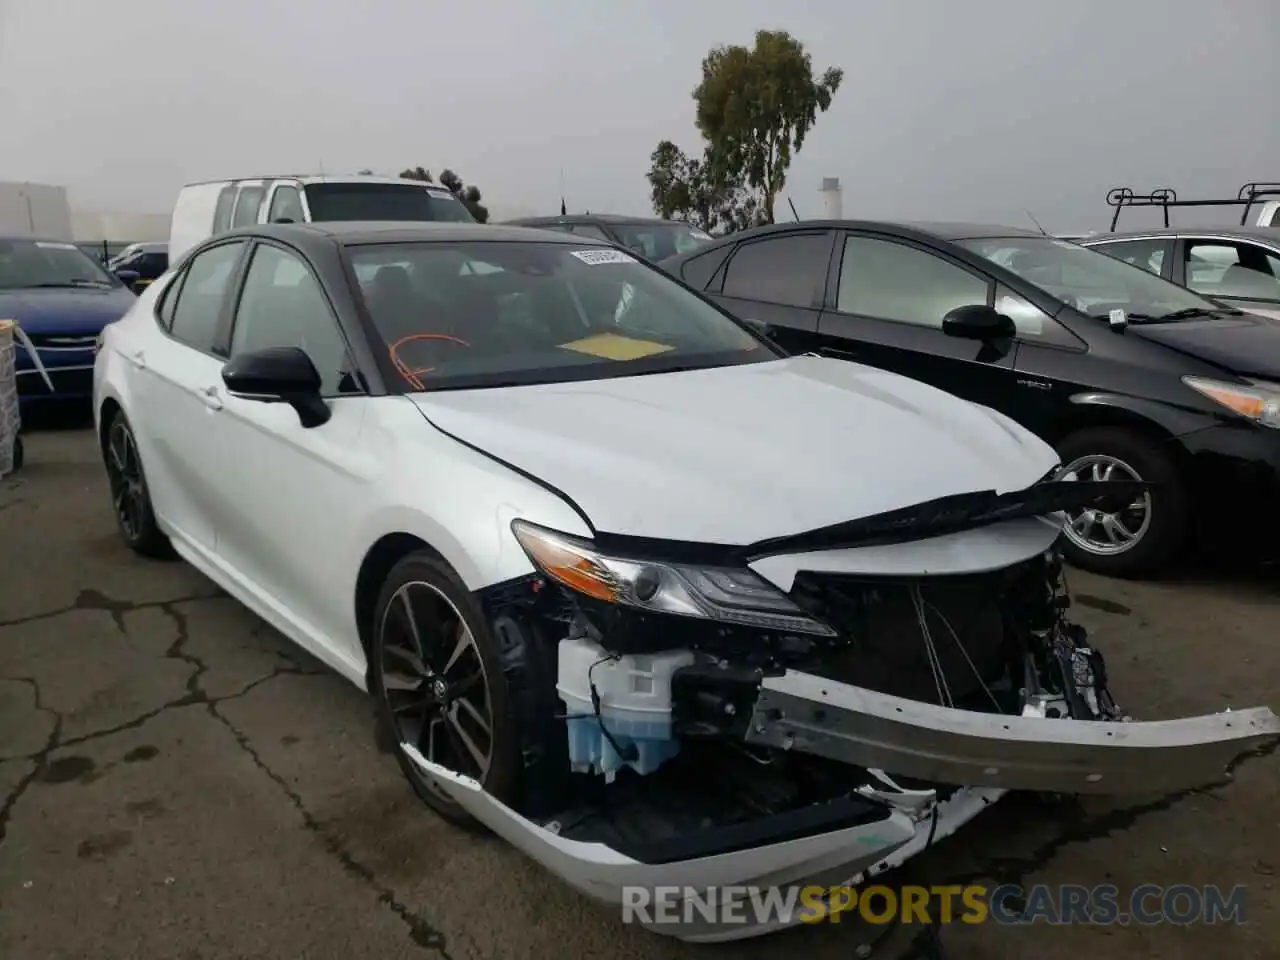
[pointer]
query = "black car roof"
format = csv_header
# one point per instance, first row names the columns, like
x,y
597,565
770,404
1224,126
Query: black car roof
x,y
349,233
600,217
904,228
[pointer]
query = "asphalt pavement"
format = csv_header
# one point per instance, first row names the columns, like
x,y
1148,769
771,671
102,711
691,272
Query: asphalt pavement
x,y
178,781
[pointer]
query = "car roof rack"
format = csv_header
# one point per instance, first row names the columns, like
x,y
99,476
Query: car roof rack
x,y
1166,197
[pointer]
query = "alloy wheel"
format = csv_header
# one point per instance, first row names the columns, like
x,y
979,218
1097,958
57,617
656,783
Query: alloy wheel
x,y
124,473
1097,531
434,681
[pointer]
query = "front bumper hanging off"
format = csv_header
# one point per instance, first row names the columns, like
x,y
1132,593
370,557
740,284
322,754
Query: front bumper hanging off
x,y
986,754
865,728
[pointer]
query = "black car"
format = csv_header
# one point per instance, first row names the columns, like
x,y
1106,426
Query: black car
x,y
652,238
148,260
1126,374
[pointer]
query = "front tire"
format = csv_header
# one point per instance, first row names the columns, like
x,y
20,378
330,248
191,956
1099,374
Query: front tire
x,y
439,684
130,495
1147,535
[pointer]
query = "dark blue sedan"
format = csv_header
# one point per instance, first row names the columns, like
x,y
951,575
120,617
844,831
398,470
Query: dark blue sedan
x,y
61,299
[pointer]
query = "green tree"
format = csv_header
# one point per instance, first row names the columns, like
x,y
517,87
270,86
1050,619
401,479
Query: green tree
x,y
468,196
684,188
755,107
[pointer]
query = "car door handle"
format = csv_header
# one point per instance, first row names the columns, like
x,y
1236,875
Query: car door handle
x,y
210,398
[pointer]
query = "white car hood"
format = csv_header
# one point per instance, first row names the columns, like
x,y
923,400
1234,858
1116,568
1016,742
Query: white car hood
x,y
734,455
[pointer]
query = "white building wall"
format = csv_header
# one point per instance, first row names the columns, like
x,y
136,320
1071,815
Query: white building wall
x,y
35,209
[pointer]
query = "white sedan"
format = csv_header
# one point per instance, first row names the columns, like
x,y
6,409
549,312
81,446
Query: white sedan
x,y
650,600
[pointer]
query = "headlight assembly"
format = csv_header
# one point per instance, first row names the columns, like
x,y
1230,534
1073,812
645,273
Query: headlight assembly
x,y
725,594
1257,401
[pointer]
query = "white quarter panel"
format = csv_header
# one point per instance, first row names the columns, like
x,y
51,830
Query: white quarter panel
x,y
737,454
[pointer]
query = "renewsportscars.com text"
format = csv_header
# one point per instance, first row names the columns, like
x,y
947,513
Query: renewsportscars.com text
x,y
1008,904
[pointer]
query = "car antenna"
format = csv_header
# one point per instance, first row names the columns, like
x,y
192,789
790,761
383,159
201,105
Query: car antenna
x,y
792,205
1042,230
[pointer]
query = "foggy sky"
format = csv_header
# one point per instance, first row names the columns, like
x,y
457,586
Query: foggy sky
x,y
950,109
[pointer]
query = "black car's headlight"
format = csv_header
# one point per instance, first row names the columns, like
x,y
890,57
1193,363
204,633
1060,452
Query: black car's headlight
x,y
726,594
1258,400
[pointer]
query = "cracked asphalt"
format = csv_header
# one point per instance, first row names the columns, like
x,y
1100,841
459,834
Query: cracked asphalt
x,y
178,781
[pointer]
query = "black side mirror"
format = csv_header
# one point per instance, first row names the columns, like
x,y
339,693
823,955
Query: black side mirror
x,y
978,322
129,278
279,375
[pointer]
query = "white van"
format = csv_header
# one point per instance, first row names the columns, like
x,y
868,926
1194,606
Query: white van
x,y
204,209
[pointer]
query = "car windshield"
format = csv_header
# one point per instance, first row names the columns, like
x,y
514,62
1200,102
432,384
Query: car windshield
x,y
383,201
1093,282
483,314
657,241
25,264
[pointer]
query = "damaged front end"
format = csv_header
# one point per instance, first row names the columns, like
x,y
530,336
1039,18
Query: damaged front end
x,y
814,710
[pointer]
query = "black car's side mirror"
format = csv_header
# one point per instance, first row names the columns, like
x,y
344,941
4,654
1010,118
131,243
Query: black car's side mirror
x,y
978,322
279,375
129,278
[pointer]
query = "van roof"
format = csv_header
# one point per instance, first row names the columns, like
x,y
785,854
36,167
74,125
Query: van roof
x,y
309,178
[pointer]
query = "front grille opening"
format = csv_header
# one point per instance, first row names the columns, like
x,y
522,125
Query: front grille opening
x,y
953,641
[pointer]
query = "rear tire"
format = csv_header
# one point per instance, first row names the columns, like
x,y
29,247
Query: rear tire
x,y
130,495
424,611
1151,541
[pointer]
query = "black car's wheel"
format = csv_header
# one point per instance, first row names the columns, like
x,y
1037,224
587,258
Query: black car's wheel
x,y
1150,531
129,494
435,672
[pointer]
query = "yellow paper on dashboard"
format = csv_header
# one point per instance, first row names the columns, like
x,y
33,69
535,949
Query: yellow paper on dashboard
x,y
613,346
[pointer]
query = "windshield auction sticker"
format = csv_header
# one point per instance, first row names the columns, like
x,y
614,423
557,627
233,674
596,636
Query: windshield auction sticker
x,y
612,346
594,258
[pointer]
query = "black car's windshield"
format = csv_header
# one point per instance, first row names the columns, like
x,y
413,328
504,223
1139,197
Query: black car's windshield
x,y
27,264
501,313
657,241
1093,282
383,201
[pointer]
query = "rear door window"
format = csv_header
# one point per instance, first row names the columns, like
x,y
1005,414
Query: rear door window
x,y
1150,254
790,270
698,271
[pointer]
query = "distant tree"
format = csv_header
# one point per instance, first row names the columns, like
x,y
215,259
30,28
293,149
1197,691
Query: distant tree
x,y
468,196
755,107
699,191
